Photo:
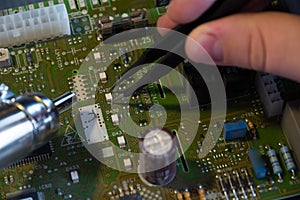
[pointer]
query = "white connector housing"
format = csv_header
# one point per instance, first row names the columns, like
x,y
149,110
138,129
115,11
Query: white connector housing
x,y
269,94
43,23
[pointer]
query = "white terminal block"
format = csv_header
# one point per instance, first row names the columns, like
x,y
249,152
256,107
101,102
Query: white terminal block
x,y
39,24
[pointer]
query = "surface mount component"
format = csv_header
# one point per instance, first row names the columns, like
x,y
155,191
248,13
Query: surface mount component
x,y
5,59
28,194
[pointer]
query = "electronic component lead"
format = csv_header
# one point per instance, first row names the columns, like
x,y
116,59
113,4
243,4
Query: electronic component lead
x,y
232,186
277,170
223,187
236,173
288,159
249,181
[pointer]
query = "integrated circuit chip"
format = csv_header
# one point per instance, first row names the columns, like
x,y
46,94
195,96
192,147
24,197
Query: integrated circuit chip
x,y
43,153
93,124
29,194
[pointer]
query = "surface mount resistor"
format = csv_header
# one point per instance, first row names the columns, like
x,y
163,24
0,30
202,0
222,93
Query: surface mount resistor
x,y
72,4
5,58
103,77
288,159
108,97
74,176
277,170
95,2
81,3
28,57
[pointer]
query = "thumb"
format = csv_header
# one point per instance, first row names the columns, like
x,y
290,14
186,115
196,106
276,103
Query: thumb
x,y
263,41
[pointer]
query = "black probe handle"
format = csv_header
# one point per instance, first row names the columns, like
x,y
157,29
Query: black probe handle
x,y
220,8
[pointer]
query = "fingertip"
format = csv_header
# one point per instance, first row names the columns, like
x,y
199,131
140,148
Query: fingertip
x,y
198,48
164,23
251,41
185,11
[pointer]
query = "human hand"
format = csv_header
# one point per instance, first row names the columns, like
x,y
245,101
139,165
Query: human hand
x,y
266,41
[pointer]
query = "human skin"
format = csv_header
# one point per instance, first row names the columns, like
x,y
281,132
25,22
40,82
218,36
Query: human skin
x,y
262,41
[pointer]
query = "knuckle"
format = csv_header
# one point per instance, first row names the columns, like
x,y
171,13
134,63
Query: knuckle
x,y
257,49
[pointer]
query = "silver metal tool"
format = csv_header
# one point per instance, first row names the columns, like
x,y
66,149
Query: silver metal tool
x,y
27,122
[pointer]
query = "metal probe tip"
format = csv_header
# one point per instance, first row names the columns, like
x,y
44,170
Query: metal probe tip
x,y
64,102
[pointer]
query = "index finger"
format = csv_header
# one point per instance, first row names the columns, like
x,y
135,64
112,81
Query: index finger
x,y
183,11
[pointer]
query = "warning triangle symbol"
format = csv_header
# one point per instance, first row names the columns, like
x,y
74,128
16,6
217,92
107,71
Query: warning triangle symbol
x,y
70,137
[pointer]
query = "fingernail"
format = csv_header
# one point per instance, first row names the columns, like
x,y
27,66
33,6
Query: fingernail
x,y
209,44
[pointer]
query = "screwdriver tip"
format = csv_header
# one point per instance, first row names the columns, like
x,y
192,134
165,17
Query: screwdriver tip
x,y
65,101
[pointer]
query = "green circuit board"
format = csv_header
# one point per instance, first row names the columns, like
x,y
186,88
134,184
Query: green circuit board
x,y
66,169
